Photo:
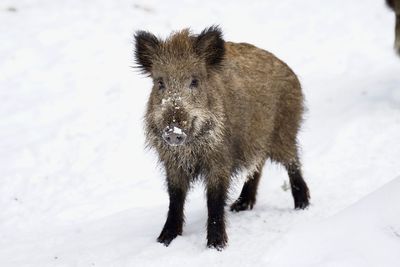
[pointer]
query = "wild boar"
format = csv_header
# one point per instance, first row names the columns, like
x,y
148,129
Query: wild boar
x,y
395,6
217,108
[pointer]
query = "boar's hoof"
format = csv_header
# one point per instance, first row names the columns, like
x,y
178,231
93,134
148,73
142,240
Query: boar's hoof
x,y
217,241
166,237
301,205
301,201
242,204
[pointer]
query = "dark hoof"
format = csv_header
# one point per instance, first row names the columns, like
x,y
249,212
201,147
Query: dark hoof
x,y
301,205
301,201
166,237
218,242
241,204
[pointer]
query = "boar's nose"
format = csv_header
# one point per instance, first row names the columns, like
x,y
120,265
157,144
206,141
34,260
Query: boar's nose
x,y
174,135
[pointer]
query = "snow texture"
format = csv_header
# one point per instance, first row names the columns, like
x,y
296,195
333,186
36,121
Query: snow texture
x,y
79,189
177,130
365,234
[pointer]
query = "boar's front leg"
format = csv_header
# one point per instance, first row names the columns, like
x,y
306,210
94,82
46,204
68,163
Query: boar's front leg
x,y
173,225
217,187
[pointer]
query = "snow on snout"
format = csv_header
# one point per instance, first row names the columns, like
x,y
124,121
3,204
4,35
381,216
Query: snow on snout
x,y
174,129
177,130
164,101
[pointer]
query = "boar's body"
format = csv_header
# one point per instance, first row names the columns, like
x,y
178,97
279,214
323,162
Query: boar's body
x,y
233,105
256,104
263,105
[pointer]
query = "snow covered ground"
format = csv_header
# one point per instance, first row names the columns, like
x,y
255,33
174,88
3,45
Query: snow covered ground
x,y
365,234
79,189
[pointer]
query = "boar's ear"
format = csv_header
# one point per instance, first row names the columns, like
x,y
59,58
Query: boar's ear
x,y
210,45
146,45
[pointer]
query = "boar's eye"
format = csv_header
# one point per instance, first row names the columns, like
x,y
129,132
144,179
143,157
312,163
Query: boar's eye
x,y
161,84
194,83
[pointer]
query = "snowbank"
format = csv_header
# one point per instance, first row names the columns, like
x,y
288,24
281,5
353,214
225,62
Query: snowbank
x,y
364,234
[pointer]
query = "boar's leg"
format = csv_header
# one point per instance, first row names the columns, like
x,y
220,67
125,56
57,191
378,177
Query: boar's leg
x,y
299,187
397,34
175,218
216,198
247,197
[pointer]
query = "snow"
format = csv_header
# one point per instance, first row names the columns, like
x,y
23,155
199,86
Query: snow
x,y
177,130
79,189
365,234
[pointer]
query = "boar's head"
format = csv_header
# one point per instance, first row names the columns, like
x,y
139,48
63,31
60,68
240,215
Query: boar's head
x,y
185,106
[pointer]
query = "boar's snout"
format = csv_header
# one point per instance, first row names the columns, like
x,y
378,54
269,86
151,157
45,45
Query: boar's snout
x,y
174,135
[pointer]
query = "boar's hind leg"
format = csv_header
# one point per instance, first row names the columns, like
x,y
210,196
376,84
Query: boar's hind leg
x,y
216,198
247,197
174,223
397,33
299,187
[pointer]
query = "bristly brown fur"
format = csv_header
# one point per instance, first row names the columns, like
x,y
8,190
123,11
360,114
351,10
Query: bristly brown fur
x,y
245,107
